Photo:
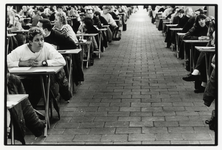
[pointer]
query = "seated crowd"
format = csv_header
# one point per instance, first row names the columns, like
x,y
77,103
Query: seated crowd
x,y
194,25
42,31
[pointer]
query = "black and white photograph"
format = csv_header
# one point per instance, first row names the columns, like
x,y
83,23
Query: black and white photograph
x,y
110,74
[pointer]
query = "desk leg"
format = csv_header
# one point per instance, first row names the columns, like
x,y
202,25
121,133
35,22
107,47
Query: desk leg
x,y
81,56
70,75
184,51
207,65
100,43
191,57
13,132
88,55
208,58
176,45
46,98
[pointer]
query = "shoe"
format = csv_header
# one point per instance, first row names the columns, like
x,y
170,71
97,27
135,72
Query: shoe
x,y
200,90
191,77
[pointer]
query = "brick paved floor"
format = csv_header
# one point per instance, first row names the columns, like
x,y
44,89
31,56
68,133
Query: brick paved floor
x,y
134,94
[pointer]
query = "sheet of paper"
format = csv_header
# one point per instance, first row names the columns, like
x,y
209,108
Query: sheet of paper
x,y
44,70
19,68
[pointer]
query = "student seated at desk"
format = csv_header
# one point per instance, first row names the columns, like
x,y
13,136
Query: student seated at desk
x,y
24,116
168,10
17,24
62,42
101,18
199,72
55,37
88,26
89,12
190,23
177,19
191,20
183,17
39,53
63,27
197,32
109,18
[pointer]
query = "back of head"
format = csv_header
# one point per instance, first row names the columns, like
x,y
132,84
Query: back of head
x,y
46,24
88,21
97,13
199,11
41,9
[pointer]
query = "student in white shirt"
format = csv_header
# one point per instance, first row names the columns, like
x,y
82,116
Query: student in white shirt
x,y
39,53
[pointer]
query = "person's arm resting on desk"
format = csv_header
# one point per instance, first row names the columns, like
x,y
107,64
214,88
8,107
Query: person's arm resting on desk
x,y
54,58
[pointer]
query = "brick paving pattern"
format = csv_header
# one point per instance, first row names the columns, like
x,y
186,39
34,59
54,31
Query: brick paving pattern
x,y
134,94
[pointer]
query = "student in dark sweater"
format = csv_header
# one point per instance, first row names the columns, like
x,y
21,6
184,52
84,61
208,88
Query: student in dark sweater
x,y
191,20
197,32
178,19
190,23
101,18
54,37
88,25
62,42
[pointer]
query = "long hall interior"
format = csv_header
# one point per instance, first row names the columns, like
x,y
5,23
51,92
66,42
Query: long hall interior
x,y
131,83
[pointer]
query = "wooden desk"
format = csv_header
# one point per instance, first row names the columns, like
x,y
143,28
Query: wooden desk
x,y
42,72
20,31
105,26
192,50
10,34
207,50
168,26
102,48
104,31
171,25
178,36
122,18
176,29
174,32
13,100
165,22
69,65
87,34
88,43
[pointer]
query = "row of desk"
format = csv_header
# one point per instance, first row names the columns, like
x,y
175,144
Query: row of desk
x,y
195,45
45,72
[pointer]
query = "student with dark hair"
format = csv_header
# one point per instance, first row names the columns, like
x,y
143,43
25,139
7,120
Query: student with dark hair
x,y
51,13
88,25
198,31
89,12
190,23
199,72
54,37
61,41
38,53
101,18
191,20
